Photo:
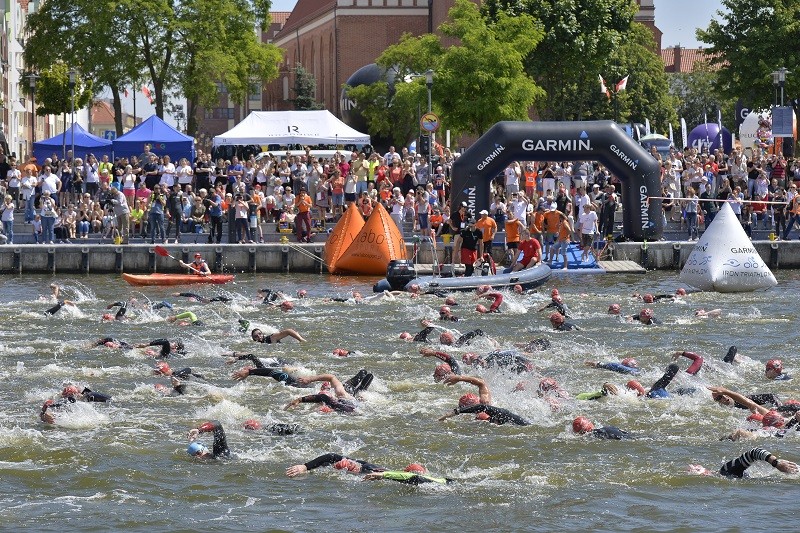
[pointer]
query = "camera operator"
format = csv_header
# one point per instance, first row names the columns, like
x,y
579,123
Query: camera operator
x,y
155,219
175,211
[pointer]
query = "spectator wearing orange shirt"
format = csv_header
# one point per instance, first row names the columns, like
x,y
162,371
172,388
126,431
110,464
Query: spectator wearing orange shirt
x,y
513,227
552,220
303,204
488,227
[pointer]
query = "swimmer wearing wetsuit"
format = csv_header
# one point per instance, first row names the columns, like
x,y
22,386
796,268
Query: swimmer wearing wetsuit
x,y
408,478
340,405
123,308
558,304
56,308
220,448
448,359
70,395
167,347
496,415
626,366
659,388
509,360
536,345
258,336
111,342
559,324
497,300
583,426
340,462
276,371
202,299
735,468
186,315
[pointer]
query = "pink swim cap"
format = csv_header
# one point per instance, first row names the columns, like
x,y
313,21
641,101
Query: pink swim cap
x,y
556,318
415,467
582,425
287,306
773,419
450,301
631,362
481,308
518,288
468,400
648,298
441,371
406,336
302,293
252,424
481,416
447,338
614,309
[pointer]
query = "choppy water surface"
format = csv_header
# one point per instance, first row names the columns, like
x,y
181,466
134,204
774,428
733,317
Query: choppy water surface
x,y
123,465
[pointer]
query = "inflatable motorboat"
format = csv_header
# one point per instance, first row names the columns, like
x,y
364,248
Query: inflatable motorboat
x,y
401,275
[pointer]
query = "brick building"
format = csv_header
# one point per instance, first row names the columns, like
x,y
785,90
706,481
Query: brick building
x,y
333,38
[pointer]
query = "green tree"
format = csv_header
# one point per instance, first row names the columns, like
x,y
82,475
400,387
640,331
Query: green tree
x,y
476,83
579,38
750,40
79,34
182,46
53,93
305,88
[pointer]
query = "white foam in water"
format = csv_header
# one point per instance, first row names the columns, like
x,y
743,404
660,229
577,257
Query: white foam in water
x,y
725,260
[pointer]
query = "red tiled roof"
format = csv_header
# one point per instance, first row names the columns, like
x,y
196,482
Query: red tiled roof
x,y
688,57
102,113
279,17
304,11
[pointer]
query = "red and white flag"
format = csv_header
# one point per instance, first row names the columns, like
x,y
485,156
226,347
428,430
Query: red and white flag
x,y
603,88
621,84
147,93
126,92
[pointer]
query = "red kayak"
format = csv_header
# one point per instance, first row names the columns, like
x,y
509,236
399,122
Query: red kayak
x,y
175,279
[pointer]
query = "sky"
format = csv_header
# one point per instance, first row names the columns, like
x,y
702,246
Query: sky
x,y
678,19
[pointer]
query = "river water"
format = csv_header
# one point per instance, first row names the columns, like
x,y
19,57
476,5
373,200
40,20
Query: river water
x,y
123,465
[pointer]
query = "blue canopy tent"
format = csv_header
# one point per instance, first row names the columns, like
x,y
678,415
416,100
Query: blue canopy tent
x,y
84,143
164,139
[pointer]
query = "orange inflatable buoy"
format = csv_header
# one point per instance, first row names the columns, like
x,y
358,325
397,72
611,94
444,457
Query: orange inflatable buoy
x,y
342,236
378,242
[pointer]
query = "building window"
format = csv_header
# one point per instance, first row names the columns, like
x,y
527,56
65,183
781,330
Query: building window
x,y
221,88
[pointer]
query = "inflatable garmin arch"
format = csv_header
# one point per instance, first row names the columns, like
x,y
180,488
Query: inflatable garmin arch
x,y
725,260
601,141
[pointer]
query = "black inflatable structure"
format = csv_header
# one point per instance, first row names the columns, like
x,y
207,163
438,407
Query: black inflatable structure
x,y
601,141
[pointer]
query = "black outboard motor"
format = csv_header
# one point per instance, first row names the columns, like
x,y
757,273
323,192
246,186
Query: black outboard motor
x,y
399,273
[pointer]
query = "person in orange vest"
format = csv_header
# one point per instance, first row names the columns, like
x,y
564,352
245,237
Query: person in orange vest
x,y
488,227
303,204
530,179
513,227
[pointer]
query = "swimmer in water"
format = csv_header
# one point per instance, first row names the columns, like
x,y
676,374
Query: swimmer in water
x,y
557,303
506,359
413,474
343,402
535,345
736,468
583,426
220,447
560,324
166,346
339,462
276,428
447,367
258,336
202,299
69,395
659,388
56,292
774,370
186,318
770,418
111,342
481,404
629,365
713,313
485,291
276,370
645,317
606,390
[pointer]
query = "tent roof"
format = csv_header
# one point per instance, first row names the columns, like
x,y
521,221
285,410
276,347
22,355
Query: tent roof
x,y
153,129
654,137
83,138
291,127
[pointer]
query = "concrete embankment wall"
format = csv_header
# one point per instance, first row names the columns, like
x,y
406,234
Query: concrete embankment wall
x,y
277,257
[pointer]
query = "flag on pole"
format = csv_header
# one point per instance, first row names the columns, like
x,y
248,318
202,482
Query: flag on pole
x,y
671,138
719,123
647,126
622,84
683,133
708,141
603,88
126,92
146,92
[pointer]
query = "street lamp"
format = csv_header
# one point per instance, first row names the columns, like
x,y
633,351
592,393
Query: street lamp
x,y
779,81
72,76
429,85
32,77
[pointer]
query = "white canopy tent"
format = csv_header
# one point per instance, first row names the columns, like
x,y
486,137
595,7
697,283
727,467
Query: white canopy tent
x,y
291,127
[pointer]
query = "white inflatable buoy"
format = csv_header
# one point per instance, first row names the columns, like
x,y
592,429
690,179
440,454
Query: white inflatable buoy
x,y
724,259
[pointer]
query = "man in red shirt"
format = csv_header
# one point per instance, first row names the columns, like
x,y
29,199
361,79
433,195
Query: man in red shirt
x,y
530,252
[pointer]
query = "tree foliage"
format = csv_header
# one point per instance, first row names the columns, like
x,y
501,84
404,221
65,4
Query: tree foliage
x,y
180,46
749,41
478,82
305,89
580,36
54,95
